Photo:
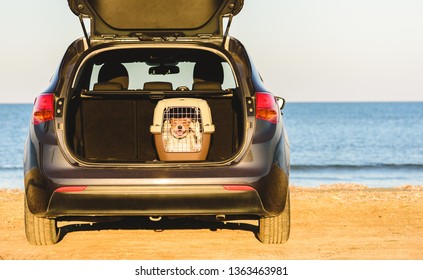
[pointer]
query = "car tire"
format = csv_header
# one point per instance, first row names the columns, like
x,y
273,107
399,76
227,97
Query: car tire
x,y
276,229
40,231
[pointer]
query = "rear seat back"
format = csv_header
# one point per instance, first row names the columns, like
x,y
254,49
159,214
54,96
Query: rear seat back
x,y
206,86
108,86
161,86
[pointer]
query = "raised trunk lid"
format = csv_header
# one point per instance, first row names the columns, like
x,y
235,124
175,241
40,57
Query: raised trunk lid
x,y
163,18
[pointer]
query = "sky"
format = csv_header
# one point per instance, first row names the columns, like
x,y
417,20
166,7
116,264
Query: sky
x,y
305,50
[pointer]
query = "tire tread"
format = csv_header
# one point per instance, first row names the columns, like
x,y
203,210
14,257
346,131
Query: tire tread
x,y
276,229
40,231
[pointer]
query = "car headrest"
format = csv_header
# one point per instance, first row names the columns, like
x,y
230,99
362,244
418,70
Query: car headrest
x,y
209,70
115,73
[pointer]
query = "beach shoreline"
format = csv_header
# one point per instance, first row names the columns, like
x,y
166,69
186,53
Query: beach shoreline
x,y
336,221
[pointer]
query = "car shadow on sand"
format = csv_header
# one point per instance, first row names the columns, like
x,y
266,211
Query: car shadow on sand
x,y
163,224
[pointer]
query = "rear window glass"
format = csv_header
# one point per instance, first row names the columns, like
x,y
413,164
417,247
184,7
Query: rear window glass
x,y
167,65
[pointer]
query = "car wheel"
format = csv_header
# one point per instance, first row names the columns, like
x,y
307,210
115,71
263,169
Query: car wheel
x,y
275,230
40,231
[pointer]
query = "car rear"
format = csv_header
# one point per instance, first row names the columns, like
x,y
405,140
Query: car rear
x,y
98,144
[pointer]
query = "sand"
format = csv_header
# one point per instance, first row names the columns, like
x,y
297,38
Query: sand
x,y
332,222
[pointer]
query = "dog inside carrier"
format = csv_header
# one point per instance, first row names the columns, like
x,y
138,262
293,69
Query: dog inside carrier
x,y
182,129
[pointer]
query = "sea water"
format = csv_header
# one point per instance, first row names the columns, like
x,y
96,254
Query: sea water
x,y
14,125
374,144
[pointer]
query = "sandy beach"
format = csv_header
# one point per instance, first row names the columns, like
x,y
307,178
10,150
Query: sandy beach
x,y
341,221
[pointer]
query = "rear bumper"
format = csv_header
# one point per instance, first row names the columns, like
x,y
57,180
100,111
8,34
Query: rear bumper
x,y
154,201
156,190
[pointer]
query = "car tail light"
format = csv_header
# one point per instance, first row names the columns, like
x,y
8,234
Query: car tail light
x,y
266,107
43,108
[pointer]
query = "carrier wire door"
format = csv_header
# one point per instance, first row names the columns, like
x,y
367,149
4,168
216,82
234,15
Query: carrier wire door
x,y
182,129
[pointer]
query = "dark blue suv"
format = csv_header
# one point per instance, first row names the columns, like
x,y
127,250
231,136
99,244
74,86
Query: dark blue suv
x,y
156,112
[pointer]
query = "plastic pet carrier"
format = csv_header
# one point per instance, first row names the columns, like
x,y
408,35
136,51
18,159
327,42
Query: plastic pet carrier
x,y
182,129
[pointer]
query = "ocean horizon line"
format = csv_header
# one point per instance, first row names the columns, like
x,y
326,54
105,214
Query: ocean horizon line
x,y
287,100
357,166
312,166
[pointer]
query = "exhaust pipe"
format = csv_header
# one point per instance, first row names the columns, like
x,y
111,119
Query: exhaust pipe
x,y
155,219
220,218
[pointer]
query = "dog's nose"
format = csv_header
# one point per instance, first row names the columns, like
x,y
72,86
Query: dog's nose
x,y
179,126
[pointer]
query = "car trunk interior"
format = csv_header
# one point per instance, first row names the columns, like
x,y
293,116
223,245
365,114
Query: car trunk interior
x,y
113,125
